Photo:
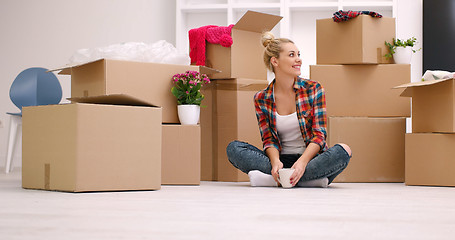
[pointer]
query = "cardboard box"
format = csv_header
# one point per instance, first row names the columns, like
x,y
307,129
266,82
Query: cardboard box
x,y
377,146
91,147
364,90
209,139
181,155
430,159
433,105
236,120
357,41
150,82
229,115
245,57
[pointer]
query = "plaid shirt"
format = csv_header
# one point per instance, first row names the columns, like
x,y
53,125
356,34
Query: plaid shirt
x,y
311,113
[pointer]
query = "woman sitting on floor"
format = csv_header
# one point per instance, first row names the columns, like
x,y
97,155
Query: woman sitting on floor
x,y
292,120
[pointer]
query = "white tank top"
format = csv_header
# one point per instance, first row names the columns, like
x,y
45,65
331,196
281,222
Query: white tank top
x,y
289,133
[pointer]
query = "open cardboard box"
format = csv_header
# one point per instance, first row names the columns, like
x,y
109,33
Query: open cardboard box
x,y
149,82
244,58
85,147
433,105
357,41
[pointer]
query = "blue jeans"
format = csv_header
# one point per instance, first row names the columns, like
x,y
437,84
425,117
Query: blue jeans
x,y
329,164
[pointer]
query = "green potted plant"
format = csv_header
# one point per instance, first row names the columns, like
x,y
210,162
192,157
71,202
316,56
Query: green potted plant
x,y
401,50
187,90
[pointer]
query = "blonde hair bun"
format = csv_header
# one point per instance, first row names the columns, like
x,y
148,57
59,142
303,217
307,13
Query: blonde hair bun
x,y
267,38
272,47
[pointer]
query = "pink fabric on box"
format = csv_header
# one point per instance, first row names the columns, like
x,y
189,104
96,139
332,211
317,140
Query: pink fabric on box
x,y
210,33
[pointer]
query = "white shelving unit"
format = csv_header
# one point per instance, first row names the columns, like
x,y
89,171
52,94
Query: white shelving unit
x,y
298,23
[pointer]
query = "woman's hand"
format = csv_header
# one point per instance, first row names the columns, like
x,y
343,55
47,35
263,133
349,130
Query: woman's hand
x,y
299,169
276,165
274,156
311,150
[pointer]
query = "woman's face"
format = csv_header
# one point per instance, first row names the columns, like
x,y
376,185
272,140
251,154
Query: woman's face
x,y
289,61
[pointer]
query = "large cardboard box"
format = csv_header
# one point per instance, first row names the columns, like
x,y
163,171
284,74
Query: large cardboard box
x,y
357,41
181,155
433,105
364,90
245,57
236,120
91,147
377,146
150,82
228,115
430,159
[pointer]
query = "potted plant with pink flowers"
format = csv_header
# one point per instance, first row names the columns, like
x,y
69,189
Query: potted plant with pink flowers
x,y
187,90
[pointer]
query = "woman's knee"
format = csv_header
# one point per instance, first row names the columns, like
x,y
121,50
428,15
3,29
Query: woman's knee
x,y
346,148
233,148
233,145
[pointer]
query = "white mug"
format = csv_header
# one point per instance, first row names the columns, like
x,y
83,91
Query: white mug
x,y
283,177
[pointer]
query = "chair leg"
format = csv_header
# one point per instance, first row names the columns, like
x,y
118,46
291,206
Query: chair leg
x,y
15,122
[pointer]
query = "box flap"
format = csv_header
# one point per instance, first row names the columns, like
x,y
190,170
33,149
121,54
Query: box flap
x,y
257,22
113,99
66,70
241,84
208,71
408,86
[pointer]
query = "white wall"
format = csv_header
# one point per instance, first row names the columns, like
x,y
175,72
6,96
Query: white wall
x,y
410,24
46,33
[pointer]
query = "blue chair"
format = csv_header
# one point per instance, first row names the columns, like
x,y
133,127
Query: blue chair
x,y
32,87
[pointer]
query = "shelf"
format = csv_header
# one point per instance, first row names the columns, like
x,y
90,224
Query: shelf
x,y
204,8
256,6
293,5
368,4
290,10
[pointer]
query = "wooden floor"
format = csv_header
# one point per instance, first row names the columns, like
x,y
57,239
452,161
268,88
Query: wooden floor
x,y
217,210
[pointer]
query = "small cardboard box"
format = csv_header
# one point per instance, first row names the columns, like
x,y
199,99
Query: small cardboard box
x,y
245,57
181,155
150,82
235,120
83,147
430,159
377,146
364,90
357,41
433,105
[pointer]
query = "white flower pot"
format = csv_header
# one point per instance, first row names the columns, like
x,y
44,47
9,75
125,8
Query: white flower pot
x,y
189,114
402,55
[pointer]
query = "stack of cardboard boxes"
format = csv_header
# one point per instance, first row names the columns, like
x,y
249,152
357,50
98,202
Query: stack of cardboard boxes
x,y
230,113
363,111
113,136
121,131
429,148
